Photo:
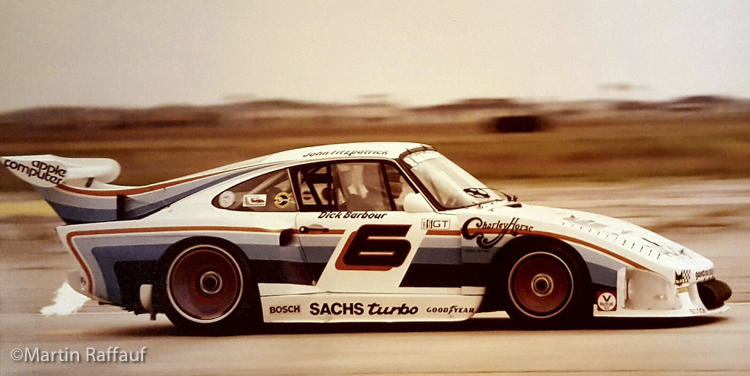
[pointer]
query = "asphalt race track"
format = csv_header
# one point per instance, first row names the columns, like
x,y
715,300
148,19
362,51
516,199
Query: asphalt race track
x,y
710,217
709,345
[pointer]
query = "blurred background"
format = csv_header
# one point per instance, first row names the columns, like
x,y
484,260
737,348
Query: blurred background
x,y
496,139
563,91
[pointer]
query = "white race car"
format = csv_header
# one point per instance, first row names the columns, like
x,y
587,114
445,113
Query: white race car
x,y
369,232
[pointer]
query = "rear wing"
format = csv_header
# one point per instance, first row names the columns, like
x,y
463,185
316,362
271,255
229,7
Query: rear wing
x,y
47,171
78,189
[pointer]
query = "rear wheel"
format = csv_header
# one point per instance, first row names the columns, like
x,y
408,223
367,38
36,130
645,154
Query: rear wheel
x,y
546,286
209,290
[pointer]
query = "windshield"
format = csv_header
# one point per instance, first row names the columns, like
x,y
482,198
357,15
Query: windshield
x,y
449,184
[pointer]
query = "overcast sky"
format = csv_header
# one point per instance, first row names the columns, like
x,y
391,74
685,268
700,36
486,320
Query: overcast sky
x,y
149,53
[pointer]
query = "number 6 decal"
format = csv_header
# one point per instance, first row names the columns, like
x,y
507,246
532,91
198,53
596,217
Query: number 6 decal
x,y
375,247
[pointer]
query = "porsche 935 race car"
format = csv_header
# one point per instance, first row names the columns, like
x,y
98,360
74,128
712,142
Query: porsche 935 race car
x,y
371,232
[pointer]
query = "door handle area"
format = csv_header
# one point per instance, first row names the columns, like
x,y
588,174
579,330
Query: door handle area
x,y
286,237
313,229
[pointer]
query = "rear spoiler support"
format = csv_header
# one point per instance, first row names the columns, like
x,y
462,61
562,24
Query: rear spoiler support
x,y
121,207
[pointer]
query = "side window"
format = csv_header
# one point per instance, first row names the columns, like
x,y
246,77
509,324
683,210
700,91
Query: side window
x,y
353,186
316,189
398,185
362,186
271,192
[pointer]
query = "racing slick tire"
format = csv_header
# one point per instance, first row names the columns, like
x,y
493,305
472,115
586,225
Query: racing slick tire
x,y
546,286
208,289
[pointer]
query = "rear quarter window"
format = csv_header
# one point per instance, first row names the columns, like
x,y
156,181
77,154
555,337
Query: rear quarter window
x,y
271,192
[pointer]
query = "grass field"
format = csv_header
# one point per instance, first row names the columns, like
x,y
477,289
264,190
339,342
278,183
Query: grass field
x,y
614,149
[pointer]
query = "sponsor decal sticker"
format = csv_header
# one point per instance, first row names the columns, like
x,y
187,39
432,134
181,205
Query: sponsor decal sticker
x,y
606,301
252,200
347,153
226,199
282,200
358,309
704,275
436,224
337,309
352,215
682,277
682,289
40,170
513,227
377,309
307,196
450,310
284,309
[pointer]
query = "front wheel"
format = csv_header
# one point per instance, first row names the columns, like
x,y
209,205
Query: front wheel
x,y
546,287
209,290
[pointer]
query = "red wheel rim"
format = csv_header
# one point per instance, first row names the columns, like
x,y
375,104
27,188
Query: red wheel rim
x,y
204,283
540,285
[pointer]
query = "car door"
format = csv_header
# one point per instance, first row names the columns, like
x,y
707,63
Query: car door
x,y
355,234
265,209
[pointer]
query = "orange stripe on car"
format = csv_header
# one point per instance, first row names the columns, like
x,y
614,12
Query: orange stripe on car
x,y
551,235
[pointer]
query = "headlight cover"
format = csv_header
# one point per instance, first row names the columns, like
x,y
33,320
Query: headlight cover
x,y
650,291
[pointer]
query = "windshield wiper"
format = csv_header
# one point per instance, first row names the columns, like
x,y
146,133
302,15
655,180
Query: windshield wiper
x,y
477,192
511,198
481,193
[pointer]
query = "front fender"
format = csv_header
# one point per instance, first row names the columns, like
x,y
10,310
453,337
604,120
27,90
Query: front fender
x,y
609,247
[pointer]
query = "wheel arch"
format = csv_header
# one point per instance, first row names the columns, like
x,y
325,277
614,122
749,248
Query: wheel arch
x,y
175,248
160,298
490,301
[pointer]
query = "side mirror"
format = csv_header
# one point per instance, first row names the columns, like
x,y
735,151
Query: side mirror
x,y
415,203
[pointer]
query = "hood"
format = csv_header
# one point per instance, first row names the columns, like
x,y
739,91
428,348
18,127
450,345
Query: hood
x,y
627,239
